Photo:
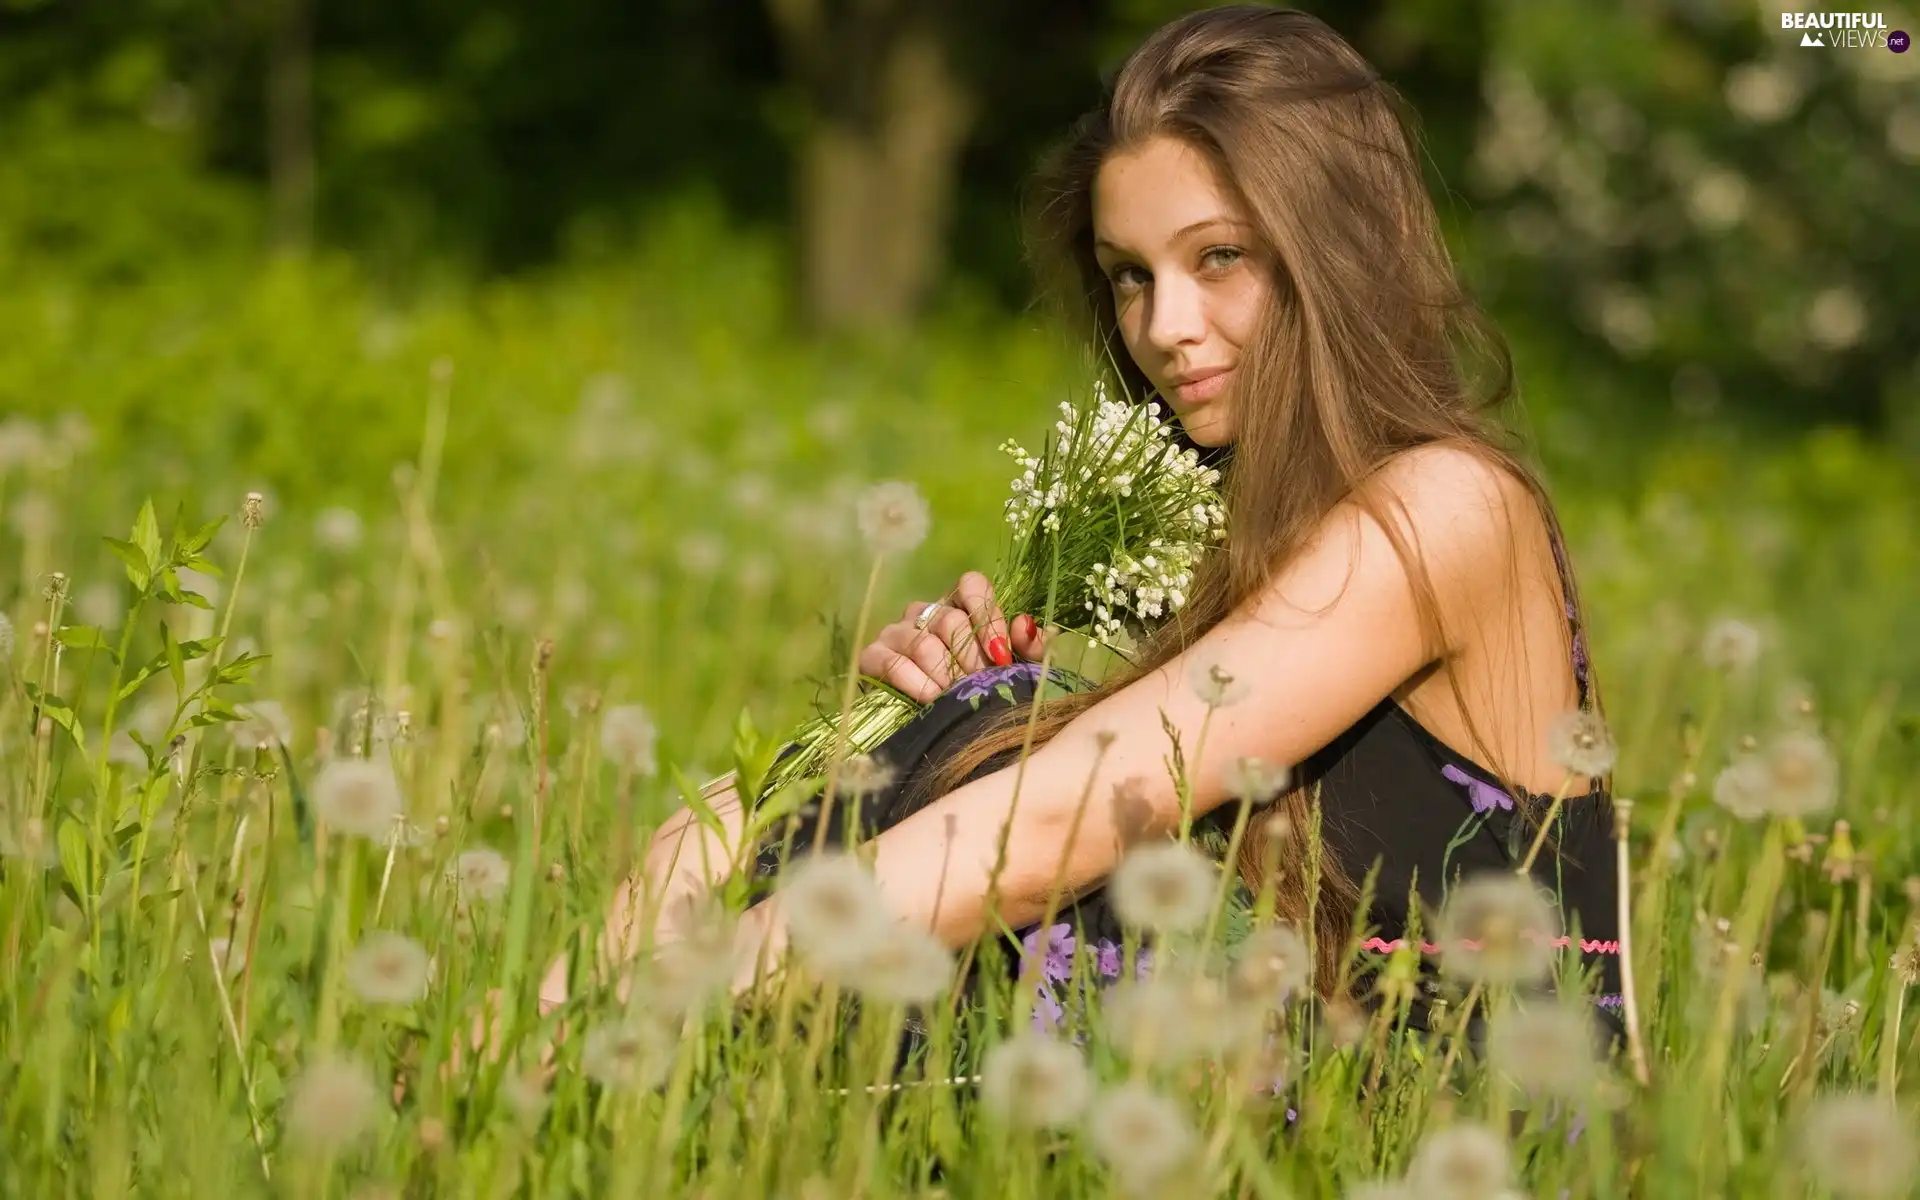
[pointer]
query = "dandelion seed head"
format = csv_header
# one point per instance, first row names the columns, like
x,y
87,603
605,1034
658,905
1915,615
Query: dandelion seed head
x,y
338,529
1730,645
627,737
1257,781
635,1053
893,518
864,775
1742,788
1035,1081
1580,742
1906,960
333,1104
357,796
1272,966
1460,1162
698,962
481,874
1545,1049
1217,685
266,724
388,968
1858,1145
1497,928
1803,777
903,965
1166,887
1143,1136
833,908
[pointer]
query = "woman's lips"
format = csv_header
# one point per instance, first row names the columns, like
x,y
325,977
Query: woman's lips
x,y
1204,389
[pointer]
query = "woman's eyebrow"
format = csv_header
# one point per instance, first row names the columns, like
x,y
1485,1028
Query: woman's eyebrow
x,y
1187,231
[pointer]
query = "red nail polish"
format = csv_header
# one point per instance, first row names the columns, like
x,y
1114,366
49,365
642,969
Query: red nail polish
x,y
998,652
1023,626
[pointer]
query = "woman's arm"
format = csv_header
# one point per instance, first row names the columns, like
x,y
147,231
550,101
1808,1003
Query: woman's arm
x,y
1332,635
684,861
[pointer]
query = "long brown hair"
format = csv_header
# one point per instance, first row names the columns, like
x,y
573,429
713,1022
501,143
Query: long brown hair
x,y
1369,348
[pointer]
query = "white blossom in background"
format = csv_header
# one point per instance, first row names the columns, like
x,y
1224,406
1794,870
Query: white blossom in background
x,y
1460,1162
1166,887
357,796
1730,645
893,518
834,909
627,737
334,1103
904,964
1859,1146
338,529
1497,928
33,517
266,724
1803,777
1741,788
481,874
1547,1050
1217,684
1764,91
388,968
1257,781
1142,1135
635,1053
1837,318
21,443
1580,741
1036,1081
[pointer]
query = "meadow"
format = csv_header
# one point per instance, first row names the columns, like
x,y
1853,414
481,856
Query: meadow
x,y
557,549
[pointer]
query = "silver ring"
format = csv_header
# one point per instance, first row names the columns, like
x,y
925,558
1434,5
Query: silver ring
x,y
927,615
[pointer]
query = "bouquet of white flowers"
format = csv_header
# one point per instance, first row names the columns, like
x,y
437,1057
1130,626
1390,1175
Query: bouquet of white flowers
x,y
1107,523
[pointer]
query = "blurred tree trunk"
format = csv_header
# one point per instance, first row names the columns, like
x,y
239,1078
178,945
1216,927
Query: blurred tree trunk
x,y
886,117
290,167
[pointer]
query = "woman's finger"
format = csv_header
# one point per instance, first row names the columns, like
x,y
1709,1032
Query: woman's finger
x,y
1028,641
974,594
954,630
885,660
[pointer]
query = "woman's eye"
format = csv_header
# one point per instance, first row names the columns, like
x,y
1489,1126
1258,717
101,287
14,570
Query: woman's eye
x,y
1220,258
1128,277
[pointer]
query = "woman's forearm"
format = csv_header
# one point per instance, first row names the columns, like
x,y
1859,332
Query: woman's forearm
x,y
685,860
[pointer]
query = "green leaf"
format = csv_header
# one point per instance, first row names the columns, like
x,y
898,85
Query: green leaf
x,y
146,536
74,861
199,540
240,670
128,553
783,803
60,713
697,804
84,637
176,662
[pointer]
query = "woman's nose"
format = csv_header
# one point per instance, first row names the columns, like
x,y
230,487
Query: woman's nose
x,y
1177,316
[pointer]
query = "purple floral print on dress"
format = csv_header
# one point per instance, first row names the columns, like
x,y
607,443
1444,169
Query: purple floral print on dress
x,y
980,683
1107,959
1484,796
1058,951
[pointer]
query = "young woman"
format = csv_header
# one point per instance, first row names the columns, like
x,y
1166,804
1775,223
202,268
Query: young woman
x,y
1243,226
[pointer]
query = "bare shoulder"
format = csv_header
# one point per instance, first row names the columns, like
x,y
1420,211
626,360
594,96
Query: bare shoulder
x,y
1460,507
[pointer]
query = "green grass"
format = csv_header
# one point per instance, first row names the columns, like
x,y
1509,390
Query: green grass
x,y
689,548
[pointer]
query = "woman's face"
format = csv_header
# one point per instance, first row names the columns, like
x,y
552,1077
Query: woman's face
x,y
1189,280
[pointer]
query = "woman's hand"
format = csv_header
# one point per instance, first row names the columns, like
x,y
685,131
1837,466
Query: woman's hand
x,y
968,633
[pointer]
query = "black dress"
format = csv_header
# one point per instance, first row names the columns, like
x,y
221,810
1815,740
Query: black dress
x,y
1393,797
